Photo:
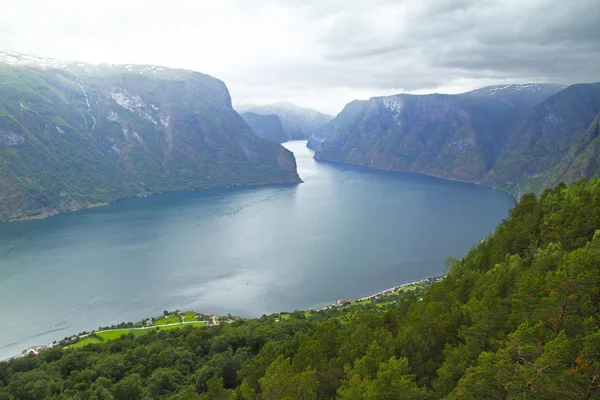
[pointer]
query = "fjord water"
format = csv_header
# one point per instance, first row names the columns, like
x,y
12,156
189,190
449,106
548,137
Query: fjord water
x,y
346,232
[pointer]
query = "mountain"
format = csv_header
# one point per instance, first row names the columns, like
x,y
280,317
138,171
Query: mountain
x,y
544,137
266,126
523,96
492,135
341,122
75,135
582,160
298,122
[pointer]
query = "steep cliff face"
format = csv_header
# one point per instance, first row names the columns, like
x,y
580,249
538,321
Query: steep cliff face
x,y
444,135
342,122
266,126
74,135
517,137
541,140
299,123
581,161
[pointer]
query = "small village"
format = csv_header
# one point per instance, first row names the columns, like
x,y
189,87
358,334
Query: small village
x,y
420,284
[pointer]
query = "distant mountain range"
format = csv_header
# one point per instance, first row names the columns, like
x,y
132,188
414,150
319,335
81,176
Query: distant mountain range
x,y
75,135
298,123
266,126
516,137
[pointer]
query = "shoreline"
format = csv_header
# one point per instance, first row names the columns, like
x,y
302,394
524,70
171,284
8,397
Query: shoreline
x,y
424,282
413,172
42,216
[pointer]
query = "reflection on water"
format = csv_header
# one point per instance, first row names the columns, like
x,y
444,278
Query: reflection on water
x,y
345,232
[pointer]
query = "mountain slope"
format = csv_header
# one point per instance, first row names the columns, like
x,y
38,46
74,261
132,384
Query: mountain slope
x,y
266,126
74,135
341,122
505,136
546,134
298,122
582,160
452,136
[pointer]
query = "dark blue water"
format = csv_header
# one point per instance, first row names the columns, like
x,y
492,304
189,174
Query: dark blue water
x,y
346,232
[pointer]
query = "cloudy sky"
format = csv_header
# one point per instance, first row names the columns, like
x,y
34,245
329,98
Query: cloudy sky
x,y
323,53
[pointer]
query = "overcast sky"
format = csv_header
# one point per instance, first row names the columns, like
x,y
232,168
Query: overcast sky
x,y
321,53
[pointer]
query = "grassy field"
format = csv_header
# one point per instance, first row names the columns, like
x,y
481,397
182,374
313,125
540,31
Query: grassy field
x,y
285,316
172,319
196,324
189,316
392,297
117,333
85,342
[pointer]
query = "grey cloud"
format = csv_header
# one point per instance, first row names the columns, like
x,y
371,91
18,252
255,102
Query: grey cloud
x,y
350,47
545,39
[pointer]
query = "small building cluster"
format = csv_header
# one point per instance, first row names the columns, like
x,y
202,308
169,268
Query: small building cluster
x,y
341,302
35,350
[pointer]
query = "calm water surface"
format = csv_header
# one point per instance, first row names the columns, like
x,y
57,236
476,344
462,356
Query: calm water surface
x,y
345,232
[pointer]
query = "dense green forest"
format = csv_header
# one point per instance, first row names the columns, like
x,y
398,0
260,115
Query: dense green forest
x,y
517,318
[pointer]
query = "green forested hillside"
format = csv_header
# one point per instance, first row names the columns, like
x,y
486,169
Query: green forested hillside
x,y
582,159
519,138
451,136
543,141
76,135
266,126
517,318
342,122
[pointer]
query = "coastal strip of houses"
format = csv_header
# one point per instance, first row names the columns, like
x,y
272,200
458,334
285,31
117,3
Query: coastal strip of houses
x,y
341,302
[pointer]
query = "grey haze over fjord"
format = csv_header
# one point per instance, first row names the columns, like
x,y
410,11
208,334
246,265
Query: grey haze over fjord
x,y
323,54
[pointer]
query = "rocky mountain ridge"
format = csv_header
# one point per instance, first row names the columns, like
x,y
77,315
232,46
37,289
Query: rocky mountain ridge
x,y
508,136
76,135
266,126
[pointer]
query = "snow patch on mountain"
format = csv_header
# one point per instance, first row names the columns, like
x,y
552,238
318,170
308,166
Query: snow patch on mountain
x,y
393,103
10,139
131,102
113,116
14,58
515,88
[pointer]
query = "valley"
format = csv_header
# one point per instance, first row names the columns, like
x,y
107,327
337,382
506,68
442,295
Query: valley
x,y
243,251
300,200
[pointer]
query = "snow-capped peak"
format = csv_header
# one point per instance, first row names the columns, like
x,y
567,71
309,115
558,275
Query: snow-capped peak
x,y
14,58
515,88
